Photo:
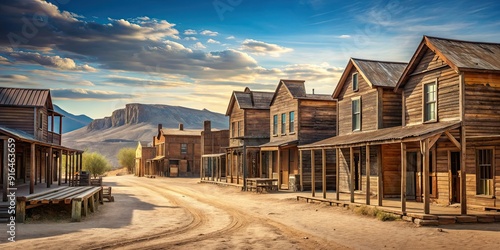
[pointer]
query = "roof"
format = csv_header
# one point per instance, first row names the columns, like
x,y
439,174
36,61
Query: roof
x,y
459,55
187,132
386,135
279,143
249,99
26,137
214,155
25,97
298,91
376,73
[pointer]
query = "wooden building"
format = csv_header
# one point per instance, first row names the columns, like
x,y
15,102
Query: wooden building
x,y
248,113
27,127
445,150
142,154
213,148
296,118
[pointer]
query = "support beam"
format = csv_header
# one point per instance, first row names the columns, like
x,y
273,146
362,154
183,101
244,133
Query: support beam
x,y
368,174
426,177
323,173
351,175
66,167
463,177
313,177
279,169
301,173
433,140
403,178
453,140
81,161
32,168
48,170
337,177
380,181
260,164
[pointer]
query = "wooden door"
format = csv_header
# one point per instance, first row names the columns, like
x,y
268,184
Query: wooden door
x,y
455,176
411,169
285,169
357,172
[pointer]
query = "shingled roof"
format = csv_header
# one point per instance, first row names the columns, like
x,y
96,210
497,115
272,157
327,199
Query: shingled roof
x,y
25,97
298,91
376,73
249,99
459,55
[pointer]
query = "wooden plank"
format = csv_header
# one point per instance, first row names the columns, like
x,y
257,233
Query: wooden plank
x,y
463,171
403,178
76,210
426,177
433,140
351,175
337,174
368,174
313,174
323,165
380,184
452,139
301,172
5,168
20,211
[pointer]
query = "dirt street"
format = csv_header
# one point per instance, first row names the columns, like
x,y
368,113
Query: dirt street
x,y
179,213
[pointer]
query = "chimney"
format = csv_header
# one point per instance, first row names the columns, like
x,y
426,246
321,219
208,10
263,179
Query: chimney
x,y
313,91
181,126
207,126
159,127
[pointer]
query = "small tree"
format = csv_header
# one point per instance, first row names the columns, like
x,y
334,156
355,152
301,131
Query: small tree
x,y
95,163
126,158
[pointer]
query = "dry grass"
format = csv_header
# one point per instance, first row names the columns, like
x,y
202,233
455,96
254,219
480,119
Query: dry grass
x,y
374,212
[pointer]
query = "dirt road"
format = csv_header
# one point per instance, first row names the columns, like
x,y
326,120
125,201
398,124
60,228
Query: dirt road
x,y
167,213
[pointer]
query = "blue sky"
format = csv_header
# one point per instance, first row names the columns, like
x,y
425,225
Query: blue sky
x,y
96,56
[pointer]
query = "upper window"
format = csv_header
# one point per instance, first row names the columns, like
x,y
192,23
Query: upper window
x,y
283,123
239,128
184,148
233,129
484,161
275,124
430,102
356,114
355,85
40,120
291,124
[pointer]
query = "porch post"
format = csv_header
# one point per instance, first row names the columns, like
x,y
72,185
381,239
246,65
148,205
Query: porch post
x,y
66,168
403,178
368,174
49,169
463,179
5,168
426,177
313,177
260,164
337,178
301,178
351,176
60,168
380,186
279,168
32,168
81,161
323,163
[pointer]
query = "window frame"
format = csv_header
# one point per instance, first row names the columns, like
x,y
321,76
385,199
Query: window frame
x,y
480,191
283,123
291,123
355,84
239,129
40,120
186,146
425,102
356,99
275,125
233,129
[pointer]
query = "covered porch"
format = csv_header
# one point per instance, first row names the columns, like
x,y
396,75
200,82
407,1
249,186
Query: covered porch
x,y
420,163
280,160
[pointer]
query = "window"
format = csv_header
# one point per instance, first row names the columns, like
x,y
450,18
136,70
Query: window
x,y
283,123
275,124
355,85
291,124
239,128
233,129
184,148
485,171
40,120
430,100
356,114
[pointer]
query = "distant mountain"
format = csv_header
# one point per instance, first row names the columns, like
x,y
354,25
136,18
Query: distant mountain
x,y
137,122
70,121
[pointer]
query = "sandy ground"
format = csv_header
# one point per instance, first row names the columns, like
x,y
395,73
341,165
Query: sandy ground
x,y
179,213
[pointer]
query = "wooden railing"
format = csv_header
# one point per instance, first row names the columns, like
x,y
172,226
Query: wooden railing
x,y
54,138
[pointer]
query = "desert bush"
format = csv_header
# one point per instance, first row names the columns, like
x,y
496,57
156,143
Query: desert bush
x,y
95,163
126,158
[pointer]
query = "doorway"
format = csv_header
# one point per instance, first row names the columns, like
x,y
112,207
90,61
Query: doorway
x,y
357,172
411,169
455,176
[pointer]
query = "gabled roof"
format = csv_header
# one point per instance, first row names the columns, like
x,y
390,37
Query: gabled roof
x,y
376,73
459,55
249,99
25,97
297,90
186,132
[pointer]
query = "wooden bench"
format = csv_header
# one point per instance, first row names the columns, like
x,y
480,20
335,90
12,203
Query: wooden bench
x,y
76,196
106,194
261,184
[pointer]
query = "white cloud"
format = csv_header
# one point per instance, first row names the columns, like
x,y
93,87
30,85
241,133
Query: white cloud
x,y
85,94
213,41
199,45
190,32
190,38
85,83
230,37
262,48
209,33
50,61
344,36
4,60
14,77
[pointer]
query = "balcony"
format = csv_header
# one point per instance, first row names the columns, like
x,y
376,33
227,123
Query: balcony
x,y
54,138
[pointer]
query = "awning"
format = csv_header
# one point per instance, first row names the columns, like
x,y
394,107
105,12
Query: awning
x,y
275,145
386,135
157,158
213,155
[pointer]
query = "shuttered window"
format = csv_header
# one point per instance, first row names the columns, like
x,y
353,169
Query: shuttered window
x,y
430,102
484,160
275,124
356,114
291,124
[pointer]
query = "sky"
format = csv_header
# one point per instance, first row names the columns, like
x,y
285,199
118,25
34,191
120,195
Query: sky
x,y
97,56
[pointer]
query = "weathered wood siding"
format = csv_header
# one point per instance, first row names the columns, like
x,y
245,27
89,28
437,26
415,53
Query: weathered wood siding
x,y
236,115
19,118
256,124
316,120
391,108
283,103
482,109
391,169
344,169
369,100
430,69
330,169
